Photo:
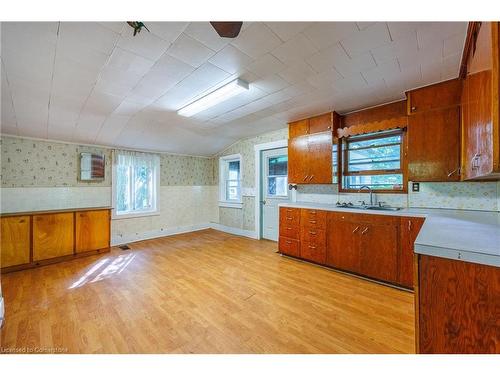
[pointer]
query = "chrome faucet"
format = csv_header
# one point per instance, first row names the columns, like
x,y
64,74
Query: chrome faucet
x,y
370,190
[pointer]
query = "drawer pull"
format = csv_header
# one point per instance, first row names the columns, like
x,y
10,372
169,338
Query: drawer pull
x,y
365,230
313,221
288,228
312,247
288,210
289,242
289,218
22,221
355,229
313,233
312,212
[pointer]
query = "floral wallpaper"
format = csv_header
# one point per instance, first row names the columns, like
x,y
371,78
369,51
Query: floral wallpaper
x,y
33,163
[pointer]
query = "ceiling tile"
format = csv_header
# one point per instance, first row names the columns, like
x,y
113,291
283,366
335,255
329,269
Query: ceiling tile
x,y
356,64
406,45
256,40
190,51
271,83
297,71
295,50
112,127
265,65
117,27
426,34
287,30
230,59
204,33
453,45
326,58
399,30
87,35
324,34
147,45
129,62
366,39
168,31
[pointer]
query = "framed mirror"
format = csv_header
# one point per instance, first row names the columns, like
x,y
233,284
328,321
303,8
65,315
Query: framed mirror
x,y
91,166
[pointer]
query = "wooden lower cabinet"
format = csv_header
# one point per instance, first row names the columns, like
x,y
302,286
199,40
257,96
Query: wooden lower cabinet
x,y
53,235
15,240
92,230
376,246
410,227
457,307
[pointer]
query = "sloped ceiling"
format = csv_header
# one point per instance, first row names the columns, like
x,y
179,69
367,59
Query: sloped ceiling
x,y
95,83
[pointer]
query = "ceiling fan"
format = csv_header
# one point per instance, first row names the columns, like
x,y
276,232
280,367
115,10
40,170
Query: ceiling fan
x,y
224,29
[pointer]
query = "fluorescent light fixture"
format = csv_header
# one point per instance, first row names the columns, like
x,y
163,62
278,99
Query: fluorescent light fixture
x,y
215,97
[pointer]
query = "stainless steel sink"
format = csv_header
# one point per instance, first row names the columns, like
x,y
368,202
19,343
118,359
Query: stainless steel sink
x,y
368,207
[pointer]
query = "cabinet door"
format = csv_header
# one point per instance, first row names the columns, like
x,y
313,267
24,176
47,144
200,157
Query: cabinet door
x,y
410,227
320,158
297,160
92,230
321,123
15,240
342,246
441,95
52,235
379,251
298,128
434,145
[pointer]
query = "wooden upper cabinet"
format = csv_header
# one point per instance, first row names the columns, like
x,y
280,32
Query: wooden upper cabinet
x,y
298,128
434,145
15,240
52,235
410,227
92,230
434,133
321,123
480,104
441,95
310,146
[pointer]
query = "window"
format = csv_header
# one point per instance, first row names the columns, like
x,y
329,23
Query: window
x,y
135,183
230,180
374,160
277,176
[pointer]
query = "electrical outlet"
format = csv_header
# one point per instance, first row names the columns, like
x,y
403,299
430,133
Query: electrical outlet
x,y
415,187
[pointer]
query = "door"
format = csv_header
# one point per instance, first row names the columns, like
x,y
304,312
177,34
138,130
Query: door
x,y
274,190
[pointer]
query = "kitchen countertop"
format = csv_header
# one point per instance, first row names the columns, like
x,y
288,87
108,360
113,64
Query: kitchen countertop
x,y
61,210
472,236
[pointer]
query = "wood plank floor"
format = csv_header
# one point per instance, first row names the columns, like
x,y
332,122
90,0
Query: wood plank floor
x,y
202,292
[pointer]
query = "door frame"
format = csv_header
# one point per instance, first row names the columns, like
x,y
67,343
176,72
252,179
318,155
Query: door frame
x,y
258,177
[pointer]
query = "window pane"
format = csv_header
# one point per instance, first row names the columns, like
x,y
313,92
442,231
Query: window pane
x,y
335,164
380,182
277,186
278,166
375,142
123,188
233,190
234,170
378,158
143,188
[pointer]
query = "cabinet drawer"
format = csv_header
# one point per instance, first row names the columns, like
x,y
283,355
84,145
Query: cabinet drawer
x,y
313,252
288,246
289,217
363,218
313,218
289,231
313,235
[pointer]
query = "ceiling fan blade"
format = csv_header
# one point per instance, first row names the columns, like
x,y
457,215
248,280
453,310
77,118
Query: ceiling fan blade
x,y
227,29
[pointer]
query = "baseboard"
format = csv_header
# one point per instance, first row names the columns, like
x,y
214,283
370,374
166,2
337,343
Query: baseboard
x,y
235,231
120,240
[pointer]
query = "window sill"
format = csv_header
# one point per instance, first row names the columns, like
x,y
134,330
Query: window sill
x,y
134,215
231,204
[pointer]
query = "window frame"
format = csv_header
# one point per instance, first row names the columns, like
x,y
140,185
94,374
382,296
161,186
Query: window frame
x,y
266,176
136,213
223,161
342,150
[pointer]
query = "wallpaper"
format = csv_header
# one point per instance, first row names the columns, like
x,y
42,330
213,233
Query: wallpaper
x,y
33,163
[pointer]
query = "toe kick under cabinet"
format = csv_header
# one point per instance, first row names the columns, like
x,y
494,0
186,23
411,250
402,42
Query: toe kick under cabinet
x,y
33,239
376,246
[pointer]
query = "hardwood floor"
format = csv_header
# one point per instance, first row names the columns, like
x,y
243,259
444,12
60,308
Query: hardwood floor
x,y
202,292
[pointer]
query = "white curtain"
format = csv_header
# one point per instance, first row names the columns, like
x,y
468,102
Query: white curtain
x,y
129,158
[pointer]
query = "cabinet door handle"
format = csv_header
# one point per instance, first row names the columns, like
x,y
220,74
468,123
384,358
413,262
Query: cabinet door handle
x,y
409,225
311,177
313,233
312,221
305,178
457,170
413,109
22,221
365,230
355,229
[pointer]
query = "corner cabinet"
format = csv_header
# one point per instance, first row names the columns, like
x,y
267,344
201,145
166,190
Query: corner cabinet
x,y
310,149
480,103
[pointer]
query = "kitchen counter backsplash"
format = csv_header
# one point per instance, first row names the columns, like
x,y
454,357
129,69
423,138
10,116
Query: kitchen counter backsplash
x,y
484,196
